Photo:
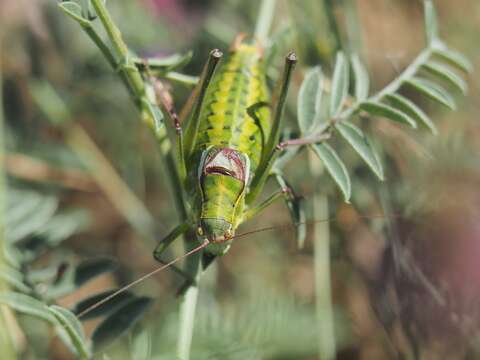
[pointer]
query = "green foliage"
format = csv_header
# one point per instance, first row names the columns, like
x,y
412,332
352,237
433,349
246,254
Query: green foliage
x,y
387,103
38,223
34,227
340,84
70,324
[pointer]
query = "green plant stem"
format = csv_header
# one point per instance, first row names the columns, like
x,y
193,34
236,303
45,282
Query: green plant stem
x,y
6,341
188,302
189,299
125,64
264,20
323,293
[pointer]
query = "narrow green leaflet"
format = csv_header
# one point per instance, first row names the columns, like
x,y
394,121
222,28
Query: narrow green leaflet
x,y
444,72
379,109
27,305
454,58
167,63
155,113
14,278
409,107
33,218
335,167
74,10
340,83
74,329
118,323
62,226
362,80
433,91
12,255
431,23
357,139
309,99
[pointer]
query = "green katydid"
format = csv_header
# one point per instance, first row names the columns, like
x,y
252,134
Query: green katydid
x,y
226,150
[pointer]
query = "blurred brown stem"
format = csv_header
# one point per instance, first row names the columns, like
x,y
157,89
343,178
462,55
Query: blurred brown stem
x,y
29,168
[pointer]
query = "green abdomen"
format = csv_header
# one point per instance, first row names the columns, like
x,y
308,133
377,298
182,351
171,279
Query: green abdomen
x,y
235,113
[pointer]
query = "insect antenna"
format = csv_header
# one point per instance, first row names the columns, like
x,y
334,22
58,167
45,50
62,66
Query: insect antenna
x,y
309,222
142,278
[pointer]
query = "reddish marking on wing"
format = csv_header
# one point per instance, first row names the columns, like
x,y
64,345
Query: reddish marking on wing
x,y
236,170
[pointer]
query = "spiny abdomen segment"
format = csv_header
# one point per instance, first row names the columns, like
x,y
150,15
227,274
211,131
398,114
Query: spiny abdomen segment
x,y
235,112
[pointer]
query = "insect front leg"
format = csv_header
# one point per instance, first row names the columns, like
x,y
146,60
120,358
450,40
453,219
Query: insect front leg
x,y
169,239
166,242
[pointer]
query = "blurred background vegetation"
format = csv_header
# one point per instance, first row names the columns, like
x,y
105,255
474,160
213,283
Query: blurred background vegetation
x,y
403,284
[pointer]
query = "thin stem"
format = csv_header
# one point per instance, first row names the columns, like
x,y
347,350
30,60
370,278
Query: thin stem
x,y
110,27
264,20
6,341
126,64
188,304
323,291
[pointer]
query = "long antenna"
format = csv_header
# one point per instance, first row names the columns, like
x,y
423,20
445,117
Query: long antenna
x,y
144,277
308,222
203,245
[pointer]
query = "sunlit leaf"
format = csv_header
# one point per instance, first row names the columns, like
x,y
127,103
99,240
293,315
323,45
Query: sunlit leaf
x,y
340,83
29,215
382,110
409,107
454,58
12,255
74,10
74,329
119,322
27,305
433,91
309,100
357,139
14,278
362,80
335,167
445,73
